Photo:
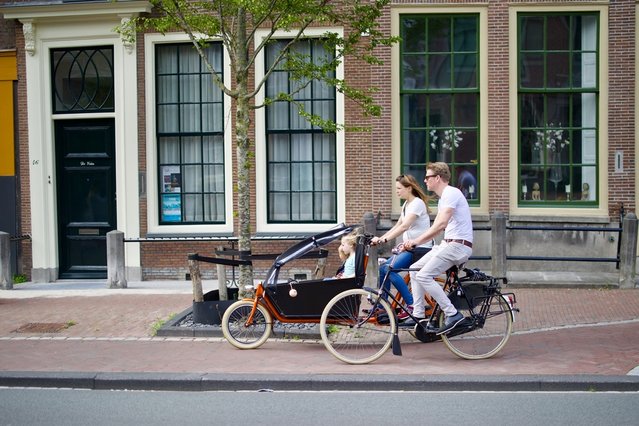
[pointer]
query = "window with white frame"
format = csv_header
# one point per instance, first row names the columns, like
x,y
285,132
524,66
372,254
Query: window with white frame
x,y
301,158
558,91
190,135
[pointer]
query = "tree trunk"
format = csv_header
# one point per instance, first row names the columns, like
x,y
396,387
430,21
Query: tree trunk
x,y
242,125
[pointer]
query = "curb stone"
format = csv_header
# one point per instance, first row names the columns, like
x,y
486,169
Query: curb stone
x,y
318,382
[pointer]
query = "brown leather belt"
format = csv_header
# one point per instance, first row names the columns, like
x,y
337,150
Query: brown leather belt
x,y
464,242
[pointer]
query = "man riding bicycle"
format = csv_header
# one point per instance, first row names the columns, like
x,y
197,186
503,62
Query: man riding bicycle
x,y
453,217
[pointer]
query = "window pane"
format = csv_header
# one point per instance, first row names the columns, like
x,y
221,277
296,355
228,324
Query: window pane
x,y
439,39
465,38
214,178
558,70
532,33
585,32
414,72
413,34
532,70
278,148
439,76
167,121
279,207
466,148
193,208
465,71
190,88
465,113
167,89
302,177
441,106
558,32
214,207
213,149
190,118
584,70
466,181
279,177
193,178
558,107
414,147
169,149
414,110
532,110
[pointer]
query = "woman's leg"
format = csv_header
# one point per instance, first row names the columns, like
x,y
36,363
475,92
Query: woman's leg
x,y
402,260
384,281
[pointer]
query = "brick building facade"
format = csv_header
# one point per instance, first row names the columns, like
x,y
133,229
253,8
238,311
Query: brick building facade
x,y
591,185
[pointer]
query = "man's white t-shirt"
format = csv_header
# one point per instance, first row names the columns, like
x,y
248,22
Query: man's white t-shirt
x,y
421,222
460,226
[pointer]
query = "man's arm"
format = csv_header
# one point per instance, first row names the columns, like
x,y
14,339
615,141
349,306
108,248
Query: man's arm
x,y
439,224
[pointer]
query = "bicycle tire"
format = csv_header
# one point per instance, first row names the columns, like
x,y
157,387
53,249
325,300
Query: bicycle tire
x,y
346,332
244,336
481,342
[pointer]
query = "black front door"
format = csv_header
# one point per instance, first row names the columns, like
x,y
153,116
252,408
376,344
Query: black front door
x,y
85,159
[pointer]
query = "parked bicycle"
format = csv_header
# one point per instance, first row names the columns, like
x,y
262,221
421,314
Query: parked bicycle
x,y
356,333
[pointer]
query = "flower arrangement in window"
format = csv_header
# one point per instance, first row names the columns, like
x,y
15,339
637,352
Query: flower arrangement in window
x,y
451,138
551,139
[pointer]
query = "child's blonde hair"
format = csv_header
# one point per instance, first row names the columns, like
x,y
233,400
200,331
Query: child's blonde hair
x,y
350,239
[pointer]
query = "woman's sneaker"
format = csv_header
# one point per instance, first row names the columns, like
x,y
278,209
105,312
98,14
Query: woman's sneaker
x,y
403,314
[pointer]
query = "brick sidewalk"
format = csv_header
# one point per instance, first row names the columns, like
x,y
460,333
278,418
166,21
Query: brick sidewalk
x,y
558,332
133,315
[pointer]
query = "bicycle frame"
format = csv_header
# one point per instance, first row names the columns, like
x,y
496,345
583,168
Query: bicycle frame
x,y
452,284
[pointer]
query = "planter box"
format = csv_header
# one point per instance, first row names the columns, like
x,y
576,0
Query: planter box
x,y
211,310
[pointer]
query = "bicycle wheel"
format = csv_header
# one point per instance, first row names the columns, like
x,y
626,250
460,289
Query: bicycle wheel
x,y
241,335
471,340
349,335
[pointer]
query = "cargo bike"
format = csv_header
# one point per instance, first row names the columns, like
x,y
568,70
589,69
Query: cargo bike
x,y
358,324
248,323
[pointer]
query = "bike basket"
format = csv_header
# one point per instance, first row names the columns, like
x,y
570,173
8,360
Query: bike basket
x,y
475,293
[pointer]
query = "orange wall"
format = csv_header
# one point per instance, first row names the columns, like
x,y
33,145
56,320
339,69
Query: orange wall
x,y
8,73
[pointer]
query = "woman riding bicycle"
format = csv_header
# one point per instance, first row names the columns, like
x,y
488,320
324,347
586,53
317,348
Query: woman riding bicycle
x,y
413,221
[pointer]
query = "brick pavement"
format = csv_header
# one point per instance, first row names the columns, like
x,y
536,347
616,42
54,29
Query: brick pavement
x,y
559,332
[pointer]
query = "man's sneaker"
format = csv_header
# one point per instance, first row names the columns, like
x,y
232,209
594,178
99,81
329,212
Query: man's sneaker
x,y
403,314
450,323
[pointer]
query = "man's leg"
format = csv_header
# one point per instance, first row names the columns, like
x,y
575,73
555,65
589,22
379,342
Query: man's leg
x,y
447,256
418,290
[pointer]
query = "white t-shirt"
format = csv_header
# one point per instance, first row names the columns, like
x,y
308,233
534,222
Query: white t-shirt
x,y
460,226
349,267
421,222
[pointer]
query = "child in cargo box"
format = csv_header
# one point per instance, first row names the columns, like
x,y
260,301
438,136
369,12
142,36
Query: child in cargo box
x,y
346,252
